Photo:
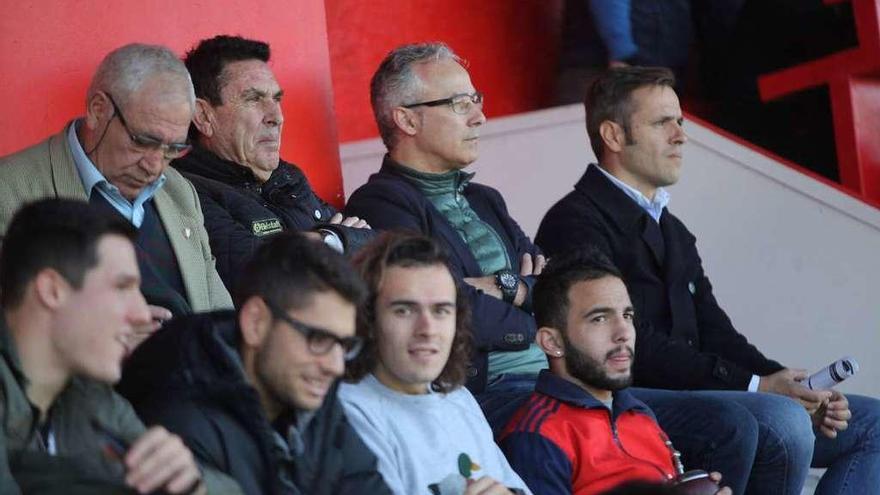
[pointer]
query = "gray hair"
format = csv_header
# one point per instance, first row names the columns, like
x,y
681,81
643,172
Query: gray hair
x,y
395,83
124,70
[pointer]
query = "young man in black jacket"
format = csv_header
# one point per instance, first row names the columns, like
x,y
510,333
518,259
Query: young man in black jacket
x,y
253,393
247,192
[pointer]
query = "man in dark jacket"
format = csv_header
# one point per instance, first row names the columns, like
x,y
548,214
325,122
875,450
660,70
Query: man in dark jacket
x,y
247,192
429,116
70,305
253,393
687,342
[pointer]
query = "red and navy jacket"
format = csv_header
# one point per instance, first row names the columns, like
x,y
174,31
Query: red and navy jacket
x,y
563,440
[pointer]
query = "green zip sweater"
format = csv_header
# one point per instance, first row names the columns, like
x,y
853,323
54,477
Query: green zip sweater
x,y
445,192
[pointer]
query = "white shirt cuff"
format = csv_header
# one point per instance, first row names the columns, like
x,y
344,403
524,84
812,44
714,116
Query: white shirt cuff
x,y
754,382
333,240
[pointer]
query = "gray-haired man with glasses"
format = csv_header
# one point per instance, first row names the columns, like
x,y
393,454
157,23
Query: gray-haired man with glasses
x,y
430,115
253,392
461,104
138,109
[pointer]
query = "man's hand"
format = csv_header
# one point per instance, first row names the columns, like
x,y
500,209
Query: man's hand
x,y
528,266
158,316
833,416
788,382
716,477
160,460
354,222
486,486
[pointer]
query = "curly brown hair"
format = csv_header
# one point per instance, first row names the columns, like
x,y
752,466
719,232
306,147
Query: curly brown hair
x,y
407,250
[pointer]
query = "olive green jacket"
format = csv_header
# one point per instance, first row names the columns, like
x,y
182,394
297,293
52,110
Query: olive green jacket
x,y
80,449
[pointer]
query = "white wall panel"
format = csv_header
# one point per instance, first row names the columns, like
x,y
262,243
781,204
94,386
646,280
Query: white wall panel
x,y
796,263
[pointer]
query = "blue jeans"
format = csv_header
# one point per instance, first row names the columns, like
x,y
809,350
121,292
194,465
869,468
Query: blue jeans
x,y
853,458
710,432
786,445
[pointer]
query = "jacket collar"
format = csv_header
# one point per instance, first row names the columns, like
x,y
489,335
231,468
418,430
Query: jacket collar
x,y
64,173
434,184
201,161
9,352
393,171
453,178
653,207
559,388
205,163
625,212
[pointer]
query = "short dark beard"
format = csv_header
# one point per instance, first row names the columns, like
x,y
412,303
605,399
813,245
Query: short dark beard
x,y
590,371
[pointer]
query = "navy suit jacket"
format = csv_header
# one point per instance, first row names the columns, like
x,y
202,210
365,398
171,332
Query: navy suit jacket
x,y
684,339
389,201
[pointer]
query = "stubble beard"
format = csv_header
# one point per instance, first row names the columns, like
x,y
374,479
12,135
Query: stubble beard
x,y
590,371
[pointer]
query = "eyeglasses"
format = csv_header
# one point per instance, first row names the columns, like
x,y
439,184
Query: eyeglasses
x,y
320,341
148,143
461,104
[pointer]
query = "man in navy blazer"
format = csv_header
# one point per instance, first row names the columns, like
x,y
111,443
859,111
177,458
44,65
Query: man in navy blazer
x,y
429,116
686,341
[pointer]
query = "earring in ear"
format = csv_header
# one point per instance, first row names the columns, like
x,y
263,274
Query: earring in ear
x,y
558,353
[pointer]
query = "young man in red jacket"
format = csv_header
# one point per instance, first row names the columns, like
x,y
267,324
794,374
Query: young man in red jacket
x,y
581,431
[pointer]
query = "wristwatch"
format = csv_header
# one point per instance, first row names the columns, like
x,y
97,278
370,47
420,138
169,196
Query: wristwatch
x,y
508,282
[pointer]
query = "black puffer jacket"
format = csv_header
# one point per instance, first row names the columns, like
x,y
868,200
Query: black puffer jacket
x,y
239,210
188,377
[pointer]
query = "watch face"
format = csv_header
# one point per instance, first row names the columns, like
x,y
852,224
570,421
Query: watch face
x,y
508,280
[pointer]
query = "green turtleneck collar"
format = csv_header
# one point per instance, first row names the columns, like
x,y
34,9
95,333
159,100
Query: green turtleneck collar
x,y
436,184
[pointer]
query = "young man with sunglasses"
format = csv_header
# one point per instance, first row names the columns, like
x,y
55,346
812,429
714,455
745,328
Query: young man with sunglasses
x,y
253,392
138,109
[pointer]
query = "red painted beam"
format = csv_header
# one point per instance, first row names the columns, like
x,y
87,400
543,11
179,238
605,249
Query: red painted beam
x,y
853,78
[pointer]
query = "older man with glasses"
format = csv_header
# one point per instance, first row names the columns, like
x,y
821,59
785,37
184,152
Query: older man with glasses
x,y
253,393
430,115
138,109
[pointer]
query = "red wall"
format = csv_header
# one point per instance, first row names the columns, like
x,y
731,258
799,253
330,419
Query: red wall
x,y
49,49
511,46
